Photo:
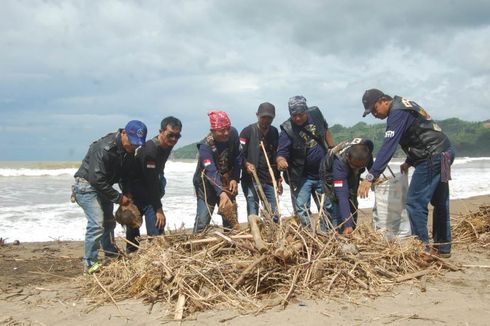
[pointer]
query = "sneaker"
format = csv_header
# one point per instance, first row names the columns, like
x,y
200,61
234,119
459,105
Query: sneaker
x,y
93,268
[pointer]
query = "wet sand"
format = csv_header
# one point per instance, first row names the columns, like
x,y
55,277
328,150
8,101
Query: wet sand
x,y
40,285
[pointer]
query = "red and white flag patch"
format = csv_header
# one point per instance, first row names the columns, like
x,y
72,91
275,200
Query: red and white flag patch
x,y
338,183
151,165
243,141
206,162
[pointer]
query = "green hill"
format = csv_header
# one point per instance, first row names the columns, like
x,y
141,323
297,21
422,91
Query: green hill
x,y
468,138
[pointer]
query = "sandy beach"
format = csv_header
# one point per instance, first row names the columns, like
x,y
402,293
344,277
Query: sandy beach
x,y
40,285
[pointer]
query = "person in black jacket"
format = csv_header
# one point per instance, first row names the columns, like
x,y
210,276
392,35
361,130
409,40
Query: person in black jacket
x,y
428,150
341,171
255,160
147,185
108,161
303,142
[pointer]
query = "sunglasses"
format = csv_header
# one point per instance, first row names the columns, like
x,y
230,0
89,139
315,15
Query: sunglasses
x,y
171,135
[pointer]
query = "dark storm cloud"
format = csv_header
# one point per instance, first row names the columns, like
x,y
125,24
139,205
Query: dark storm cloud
x,y
73,71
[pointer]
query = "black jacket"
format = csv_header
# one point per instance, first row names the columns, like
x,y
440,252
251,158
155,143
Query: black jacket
x,y
424,137
144,183
105,164
298,147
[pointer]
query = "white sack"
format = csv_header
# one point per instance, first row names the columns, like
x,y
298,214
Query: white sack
x,y
389,212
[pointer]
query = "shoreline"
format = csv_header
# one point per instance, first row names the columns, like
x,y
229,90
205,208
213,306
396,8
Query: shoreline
x,y
40,283
456,206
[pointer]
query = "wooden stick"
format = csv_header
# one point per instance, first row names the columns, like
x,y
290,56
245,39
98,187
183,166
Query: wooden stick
x,y
248,270
261,193
477,266
215,239
414,275
254,229
291,289
274,182
179,307
108,293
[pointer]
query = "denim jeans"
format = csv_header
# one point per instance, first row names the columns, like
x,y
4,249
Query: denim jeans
x,y
150,219
425,187
302,202
205,210
100,221
252,197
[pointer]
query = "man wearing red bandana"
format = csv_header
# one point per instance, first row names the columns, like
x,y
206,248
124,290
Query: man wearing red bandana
x,y
217,172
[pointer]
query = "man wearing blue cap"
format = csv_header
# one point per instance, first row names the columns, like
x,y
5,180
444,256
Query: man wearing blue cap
x,y
303,142
429,150
107,162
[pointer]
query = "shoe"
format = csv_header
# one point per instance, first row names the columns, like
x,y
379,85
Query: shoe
x,y
444,254
93,268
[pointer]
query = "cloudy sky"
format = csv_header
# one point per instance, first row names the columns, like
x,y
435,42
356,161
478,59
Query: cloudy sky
x,y
72,71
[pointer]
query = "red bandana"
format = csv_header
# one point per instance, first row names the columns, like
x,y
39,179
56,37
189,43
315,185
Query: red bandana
x,y
219,120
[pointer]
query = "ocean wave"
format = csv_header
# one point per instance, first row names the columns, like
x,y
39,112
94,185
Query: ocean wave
x,y
23,172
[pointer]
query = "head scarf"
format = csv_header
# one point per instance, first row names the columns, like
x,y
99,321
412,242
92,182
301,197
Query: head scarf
x,y
219,120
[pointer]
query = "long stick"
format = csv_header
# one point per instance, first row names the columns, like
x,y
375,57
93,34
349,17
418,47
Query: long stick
x,y
261,193
274,182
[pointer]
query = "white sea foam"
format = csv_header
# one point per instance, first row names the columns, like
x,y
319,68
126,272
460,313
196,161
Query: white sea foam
x,y
9,172
35,206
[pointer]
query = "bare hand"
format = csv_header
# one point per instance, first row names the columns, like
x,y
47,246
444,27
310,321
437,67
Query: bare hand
x,y
125,201
364,188
348,230
282,164
279,187
404,168
233,187
250,167
161,219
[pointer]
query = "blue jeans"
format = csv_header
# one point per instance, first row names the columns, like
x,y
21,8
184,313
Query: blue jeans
x,y
302,202
205,210
100,221
252,197
150,219
425,187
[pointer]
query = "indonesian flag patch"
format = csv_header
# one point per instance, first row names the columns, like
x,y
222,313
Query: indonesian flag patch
x,y
338,183
151,165
243,141
206,162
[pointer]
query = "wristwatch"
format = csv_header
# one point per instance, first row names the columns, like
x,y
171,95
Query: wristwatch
x,y
369,177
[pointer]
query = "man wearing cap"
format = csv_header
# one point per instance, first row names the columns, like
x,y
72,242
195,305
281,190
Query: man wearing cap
x,y
303,142
147,182
108,161
217,172
251,138
428,150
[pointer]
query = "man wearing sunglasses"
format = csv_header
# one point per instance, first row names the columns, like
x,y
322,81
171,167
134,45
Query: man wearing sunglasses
x,y
340,172
147,184
429,150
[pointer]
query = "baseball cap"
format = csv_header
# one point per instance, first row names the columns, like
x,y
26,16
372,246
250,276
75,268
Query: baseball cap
x,y
136,131
297,105
370,97
266,109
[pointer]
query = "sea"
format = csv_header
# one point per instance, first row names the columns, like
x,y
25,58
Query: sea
x,y
35,197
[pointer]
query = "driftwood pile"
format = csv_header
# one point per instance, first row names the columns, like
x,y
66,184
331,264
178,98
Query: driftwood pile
x,y
473,227
263,266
